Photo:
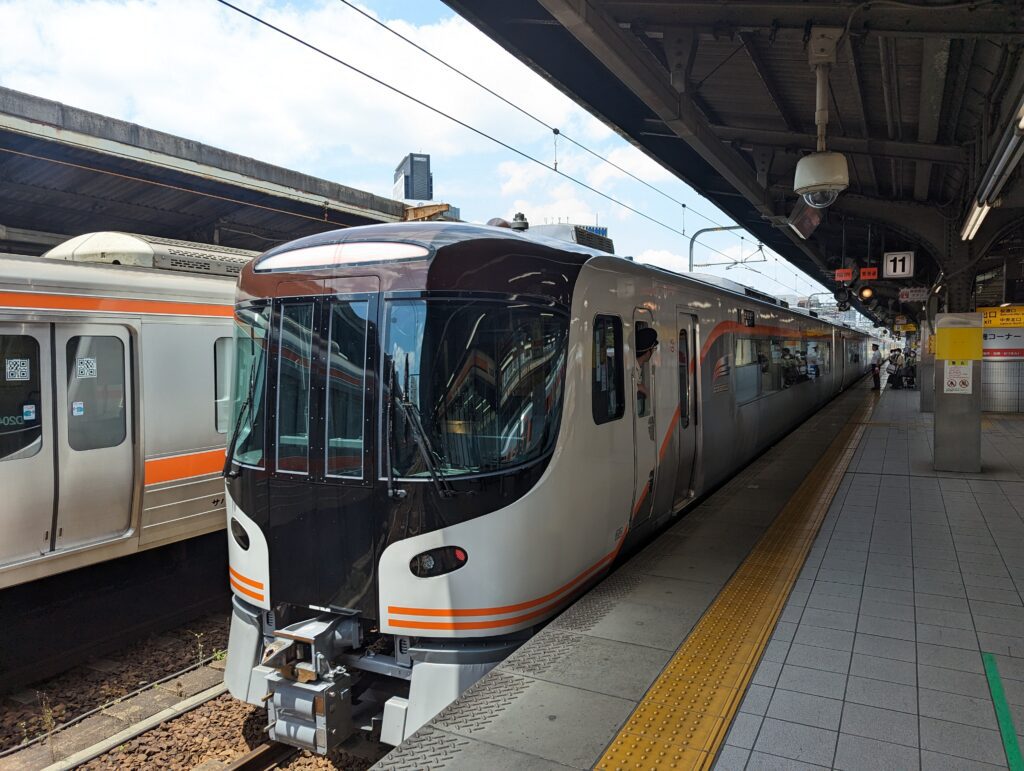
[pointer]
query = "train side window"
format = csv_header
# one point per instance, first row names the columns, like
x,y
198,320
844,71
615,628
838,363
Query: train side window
x,y
608,402
684,377
222,370
295,364
346,388
749,368
96,392
21,419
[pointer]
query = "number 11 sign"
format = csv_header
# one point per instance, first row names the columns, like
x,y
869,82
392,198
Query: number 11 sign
x,y
898,265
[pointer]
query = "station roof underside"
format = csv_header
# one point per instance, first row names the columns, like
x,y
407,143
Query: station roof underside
x,y
722,94
66,171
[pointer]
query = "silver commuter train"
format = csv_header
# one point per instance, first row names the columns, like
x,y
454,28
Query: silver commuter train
x,y
114,398
440,441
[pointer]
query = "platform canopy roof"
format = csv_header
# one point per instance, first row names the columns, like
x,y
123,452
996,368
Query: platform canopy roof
x,y
65,171
721,92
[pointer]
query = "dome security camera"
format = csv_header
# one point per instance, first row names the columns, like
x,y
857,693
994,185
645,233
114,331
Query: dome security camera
x,y
821,177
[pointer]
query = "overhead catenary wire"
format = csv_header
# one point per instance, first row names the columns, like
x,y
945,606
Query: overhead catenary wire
x,y
554,129
452,118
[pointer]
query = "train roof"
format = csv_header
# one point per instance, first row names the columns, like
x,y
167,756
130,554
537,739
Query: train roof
x,y
451,240
40,274
146,251
433,235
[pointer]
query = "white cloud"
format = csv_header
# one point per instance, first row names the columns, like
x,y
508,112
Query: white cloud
x,y
200,70
632,160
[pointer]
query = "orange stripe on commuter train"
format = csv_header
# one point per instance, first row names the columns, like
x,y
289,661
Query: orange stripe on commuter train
x,y
176,467
74,302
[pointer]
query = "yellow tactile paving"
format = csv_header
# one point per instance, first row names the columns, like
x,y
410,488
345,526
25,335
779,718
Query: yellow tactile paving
x,y
683,718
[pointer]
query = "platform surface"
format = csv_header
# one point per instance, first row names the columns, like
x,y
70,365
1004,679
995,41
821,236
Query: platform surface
x,y
871,658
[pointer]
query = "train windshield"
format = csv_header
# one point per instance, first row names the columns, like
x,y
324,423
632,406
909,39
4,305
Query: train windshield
x,y
475,386
249,414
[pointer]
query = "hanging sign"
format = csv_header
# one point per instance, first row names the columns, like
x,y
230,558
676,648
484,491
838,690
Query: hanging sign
x,y
868,274
914,294
1011,316
844,274
957,377
898,265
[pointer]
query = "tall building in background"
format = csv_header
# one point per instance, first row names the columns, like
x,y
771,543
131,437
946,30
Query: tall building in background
x,y
413,180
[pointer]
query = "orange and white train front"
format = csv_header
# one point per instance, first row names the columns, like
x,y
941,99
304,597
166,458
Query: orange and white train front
x,y
400,471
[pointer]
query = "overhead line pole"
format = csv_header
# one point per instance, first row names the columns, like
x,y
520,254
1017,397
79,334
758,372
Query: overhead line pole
x,y
693,239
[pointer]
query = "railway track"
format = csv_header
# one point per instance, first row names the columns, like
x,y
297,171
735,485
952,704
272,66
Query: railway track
x,y
265,757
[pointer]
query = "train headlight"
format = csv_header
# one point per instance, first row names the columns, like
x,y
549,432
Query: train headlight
x,y
437,562
238,533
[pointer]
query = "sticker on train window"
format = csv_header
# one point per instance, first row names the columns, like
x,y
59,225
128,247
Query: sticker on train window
x,y
85,367
18,369
28,412
77,409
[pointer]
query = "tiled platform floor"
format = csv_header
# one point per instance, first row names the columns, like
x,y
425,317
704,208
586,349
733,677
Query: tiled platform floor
x,y
876,661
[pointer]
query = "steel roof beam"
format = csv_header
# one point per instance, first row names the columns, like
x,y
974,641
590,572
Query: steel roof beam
x,y
768,80
909,151
992,22
858,99
934,65
626,58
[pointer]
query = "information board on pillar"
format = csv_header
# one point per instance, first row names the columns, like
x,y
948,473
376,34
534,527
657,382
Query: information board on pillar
x,y
957,377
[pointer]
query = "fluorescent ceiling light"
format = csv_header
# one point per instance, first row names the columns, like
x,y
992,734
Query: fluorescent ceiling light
x,y
974,219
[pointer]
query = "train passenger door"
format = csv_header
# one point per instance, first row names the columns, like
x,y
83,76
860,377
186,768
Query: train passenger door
x,y
94,429
26,441
686,428
644,425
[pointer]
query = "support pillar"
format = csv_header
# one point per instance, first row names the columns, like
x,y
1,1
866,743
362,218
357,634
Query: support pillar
x,y
958,350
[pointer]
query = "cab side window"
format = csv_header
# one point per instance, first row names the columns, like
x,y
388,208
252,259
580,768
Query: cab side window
x,y
607,389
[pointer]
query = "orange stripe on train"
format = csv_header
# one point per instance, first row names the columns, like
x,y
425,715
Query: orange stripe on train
x,y
176,467
72,302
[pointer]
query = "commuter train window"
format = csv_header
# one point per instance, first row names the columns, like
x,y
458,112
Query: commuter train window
x,y
473,386
684,377
248,412
97,397
819,359
222,371
21,403
346,388
295,362
608,401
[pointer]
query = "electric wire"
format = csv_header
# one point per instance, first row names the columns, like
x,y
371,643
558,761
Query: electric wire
x,y
452,118
555,130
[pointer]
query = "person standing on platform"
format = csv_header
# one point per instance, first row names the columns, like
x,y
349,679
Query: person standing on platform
x,y
876,367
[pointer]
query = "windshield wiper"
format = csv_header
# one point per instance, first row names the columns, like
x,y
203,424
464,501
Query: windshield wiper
x,y
389,437
412,419
231,468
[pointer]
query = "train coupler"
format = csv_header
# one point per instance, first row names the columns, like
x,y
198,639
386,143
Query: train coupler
x,y
309,699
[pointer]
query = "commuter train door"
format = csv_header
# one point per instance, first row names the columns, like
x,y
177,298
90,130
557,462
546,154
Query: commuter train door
x,y
687,359
26,441
645,429
94,429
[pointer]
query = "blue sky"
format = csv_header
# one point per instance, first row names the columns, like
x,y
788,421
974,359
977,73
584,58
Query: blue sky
x,y
197,69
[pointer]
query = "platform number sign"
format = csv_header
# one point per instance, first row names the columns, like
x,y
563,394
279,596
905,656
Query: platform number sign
x,y
898,265
17,369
